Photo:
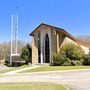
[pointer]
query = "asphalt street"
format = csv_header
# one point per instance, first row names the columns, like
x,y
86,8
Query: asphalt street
x,y
76,80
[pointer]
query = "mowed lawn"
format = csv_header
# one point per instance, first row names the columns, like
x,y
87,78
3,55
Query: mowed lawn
x,y
31,86
14,68
56,68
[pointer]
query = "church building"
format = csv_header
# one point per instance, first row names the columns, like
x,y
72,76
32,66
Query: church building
x,y
47,40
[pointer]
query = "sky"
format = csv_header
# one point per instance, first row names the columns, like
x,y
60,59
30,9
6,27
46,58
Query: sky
x,y
71,15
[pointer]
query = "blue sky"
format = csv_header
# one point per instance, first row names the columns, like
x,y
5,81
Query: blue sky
x,y
72,15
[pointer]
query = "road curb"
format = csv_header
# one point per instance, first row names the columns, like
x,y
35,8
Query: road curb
x,y
62,71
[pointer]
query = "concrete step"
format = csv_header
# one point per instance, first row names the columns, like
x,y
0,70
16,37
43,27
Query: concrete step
x,y
44,64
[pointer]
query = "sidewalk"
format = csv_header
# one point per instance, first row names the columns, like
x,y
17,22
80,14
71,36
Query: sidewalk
x,y
41,72
3,67
20,70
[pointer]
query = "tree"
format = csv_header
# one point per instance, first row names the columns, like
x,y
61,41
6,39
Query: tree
x,y
26,53
85,38
69,54
5,49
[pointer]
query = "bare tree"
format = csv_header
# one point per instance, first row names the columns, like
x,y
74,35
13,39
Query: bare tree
x,y
5,48
85,38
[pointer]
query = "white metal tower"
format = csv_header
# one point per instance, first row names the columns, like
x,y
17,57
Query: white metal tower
x,y
14,36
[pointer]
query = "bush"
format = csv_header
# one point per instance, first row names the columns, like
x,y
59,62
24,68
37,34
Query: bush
x,y
72,51
86,59
66,62
76,63
58,59
70,54
26,53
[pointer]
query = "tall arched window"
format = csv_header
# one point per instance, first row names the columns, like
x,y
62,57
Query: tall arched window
x,y
39,51
47,49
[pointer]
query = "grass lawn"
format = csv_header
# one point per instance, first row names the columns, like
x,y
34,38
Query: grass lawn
x,y
31,86
56,68
13,68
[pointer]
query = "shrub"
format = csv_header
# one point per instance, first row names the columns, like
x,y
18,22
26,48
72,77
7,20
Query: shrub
x,y
86,59
59,59
72,51
69,54
76,63
67,62
26,53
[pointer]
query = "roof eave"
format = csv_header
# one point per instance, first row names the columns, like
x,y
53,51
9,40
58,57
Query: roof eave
x,y
31,34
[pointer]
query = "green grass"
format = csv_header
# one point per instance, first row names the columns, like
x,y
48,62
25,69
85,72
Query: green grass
x,y
55,68
31,86
13,68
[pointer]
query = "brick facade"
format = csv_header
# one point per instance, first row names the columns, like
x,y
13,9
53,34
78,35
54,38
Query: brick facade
x,y
35,49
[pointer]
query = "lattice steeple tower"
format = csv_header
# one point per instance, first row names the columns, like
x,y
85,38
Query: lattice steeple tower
x,y
14,36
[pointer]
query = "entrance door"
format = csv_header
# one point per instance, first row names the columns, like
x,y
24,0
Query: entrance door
x,y
47,49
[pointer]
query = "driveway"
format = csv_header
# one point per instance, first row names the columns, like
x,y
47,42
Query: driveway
x,y
76,80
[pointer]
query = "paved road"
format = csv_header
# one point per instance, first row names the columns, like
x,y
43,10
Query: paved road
x,y
76,80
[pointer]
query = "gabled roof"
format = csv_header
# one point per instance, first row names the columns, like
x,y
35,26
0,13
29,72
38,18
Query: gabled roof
x,y
56,28
43,24
63,31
